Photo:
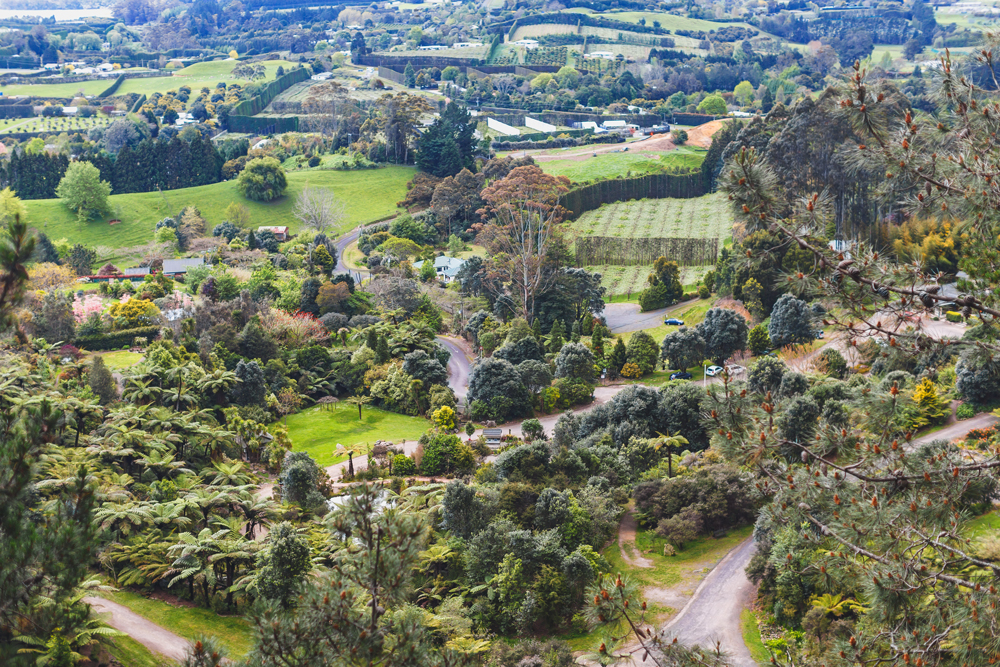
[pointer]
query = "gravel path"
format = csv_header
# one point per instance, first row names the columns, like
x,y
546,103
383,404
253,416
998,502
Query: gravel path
x,y
147,633
626,542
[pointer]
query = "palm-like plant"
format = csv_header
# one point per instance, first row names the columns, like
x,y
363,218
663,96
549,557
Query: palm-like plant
x,y
351,452
256,511
217,384
359,401
228,474
141,392
669,441
191,564
163,465
122,517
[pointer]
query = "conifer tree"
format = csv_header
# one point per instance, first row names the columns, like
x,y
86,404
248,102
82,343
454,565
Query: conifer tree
x,y
101,381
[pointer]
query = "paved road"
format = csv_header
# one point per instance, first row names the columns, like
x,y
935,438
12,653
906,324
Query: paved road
x,y
459,366
625,317
342,243
713,614
958,429
149,634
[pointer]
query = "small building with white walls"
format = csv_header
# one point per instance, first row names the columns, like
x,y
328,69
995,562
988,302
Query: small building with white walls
x,y
539,125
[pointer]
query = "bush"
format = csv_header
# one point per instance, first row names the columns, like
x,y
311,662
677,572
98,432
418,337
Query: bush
x,y
965,411
444,454
631,371
403,466
952,316
704,292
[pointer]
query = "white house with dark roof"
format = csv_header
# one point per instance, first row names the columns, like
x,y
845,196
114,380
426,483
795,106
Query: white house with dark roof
x,y
445,267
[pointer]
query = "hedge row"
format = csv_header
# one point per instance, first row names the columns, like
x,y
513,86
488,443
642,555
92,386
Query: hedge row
x,y
555,142
258,103
16,111
263,124
138,103
116,340
649,186
113,88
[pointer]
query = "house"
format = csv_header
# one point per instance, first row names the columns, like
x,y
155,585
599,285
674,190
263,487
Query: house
x,y
137,272
606,55
619,125
432,47
445,267
465,45
178,267
527,43
280,233
493,436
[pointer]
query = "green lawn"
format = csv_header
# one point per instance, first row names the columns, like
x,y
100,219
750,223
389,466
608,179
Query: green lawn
x,y
121,359
197,76
233,632
751,637
318,431
369,195
982,525
610,165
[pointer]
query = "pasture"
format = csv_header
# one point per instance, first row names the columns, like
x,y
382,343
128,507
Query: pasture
x,y
671,22
699,217
318,430
369,195
611,165
198,76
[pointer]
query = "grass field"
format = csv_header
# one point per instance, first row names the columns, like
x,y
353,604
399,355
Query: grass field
x,y
53,125
698,217
233,632
610,165
197,76
369,195
121,359
318,431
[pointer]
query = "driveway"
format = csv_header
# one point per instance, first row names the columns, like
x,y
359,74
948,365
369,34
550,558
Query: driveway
x,y
459,366
957,430
147,633
342,242
625,317
713,614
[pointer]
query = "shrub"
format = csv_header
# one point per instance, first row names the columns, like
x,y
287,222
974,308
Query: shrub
x,y
631,371
704,292
965,411
952,316
403,465
262,179
116,340
444,418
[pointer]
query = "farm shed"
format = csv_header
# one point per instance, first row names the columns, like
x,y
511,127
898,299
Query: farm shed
x,y
174,267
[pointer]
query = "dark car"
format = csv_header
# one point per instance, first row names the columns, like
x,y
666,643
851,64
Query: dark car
x,y
673,321
681,375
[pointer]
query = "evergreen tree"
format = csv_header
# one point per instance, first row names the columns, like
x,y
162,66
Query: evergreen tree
x,y
597,341
409,77
251,241
371,338
556,336
283,564
101,381
767,101
307,296
618,358
382,354
45,251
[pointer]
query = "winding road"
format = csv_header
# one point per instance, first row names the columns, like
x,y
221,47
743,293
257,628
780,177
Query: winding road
x,y
459,366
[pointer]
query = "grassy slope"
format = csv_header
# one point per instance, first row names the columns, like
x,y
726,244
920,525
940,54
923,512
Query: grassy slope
x,y
318,431
369,195
233,632
610,165
196,76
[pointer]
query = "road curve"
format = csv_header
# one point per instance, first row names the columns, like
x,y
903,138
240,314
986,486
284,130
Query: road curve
x,y
713,613
147,633
958,430
625,317
459,366
342,242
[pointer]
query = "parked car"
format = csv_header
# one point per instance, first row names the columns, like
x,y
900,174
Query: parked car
x,y
712,371
681,375
674,322
735,369
820,333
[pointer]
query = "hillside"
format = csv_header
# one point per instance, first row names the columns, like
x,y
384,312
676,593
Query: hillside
x,y
369,195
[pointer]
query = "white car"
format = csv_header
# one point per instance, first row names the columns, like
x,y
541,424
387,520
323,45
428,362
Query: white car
x,y
735,369
712,371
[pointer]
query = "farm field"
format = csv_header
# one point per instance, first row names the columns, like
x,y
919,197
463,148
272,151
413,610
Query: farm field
x,y
698,217
369,195
610,165
54,125
630,280
197,76
671,22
